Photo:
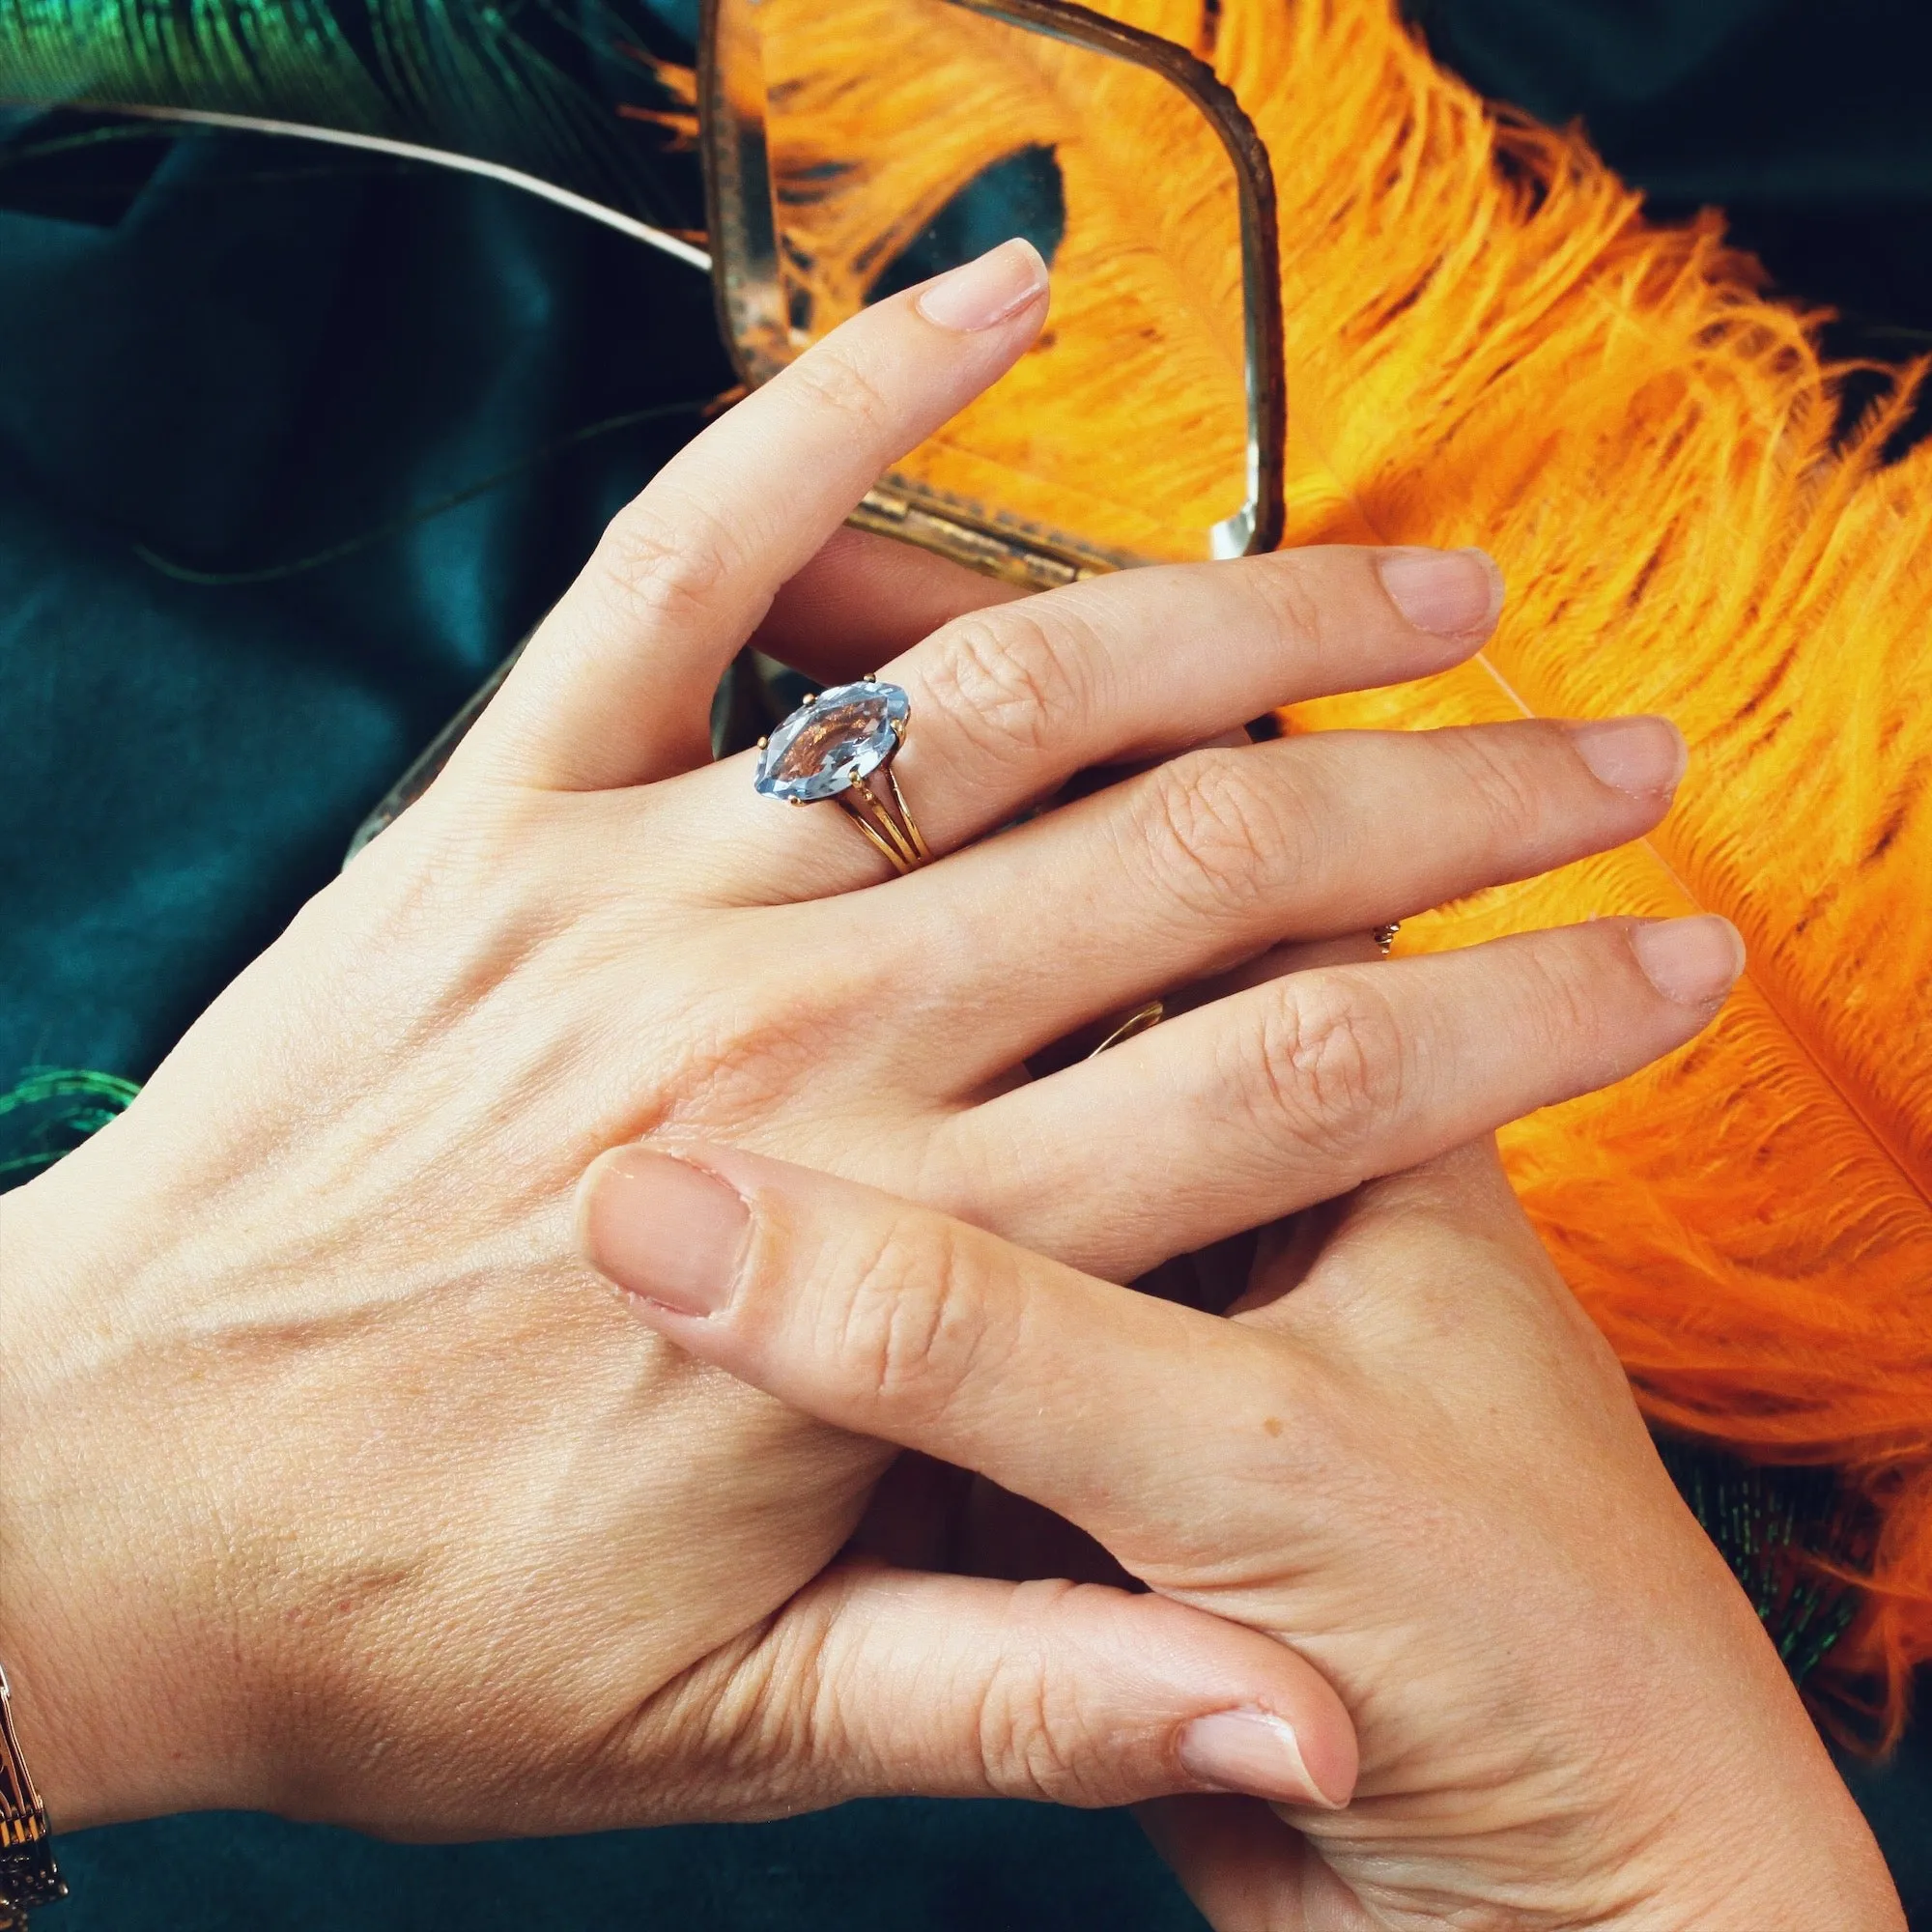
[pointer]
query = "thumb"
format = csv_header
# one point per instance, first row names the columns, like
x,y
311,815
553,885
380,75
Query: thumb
x,y
877,1682
1120,1412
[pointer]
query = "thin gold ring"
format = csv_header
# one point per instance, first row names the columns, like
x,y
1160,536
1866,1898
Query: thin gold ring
x,y
1143,1019
840,744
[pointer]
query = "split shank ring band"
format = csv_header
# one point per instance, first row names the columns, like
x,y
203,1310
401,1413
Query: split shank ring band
x,y
840,745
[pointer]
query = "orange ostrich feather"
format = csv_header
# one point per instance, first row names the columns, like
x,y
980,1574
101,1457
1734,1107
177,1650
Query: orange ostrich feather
x,y
1488,344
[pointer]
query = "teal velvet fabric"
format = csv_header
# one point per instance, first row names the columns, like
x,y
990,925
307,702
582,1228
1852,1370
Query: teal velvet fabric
x,y
230,354
270,350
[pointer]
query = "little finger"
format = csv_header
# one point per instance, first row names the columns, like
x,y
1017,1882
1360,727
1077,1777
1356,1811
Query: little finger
x,y
1301,1088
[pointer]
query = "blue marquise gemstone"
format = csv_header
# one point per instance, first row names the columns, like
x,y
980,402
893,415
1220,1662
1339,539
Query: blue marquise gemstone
x,y
844,734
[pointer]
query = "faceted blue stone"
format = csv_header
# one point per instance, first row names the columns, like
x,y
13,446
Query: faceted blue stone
x,y
844,734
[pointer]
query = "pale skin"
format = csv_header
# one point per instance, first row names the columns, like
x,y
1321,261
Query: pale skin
x,y
337,1484
1408,1456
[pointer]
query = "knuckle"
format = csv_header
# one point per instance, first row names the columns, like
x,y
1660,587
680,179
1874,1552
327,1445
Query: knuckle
x,y
912,1332
1332,1060
1008,682
728,1070
750,1704
661,570
731,1052
1033,1741
1563,993
742,1725
831,383
1499,779
1214,834
1291,602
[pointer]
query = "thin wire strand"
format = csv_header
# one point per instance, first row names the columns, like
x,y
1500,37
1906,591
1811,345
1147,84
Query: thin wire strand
x,y
275,573
674,245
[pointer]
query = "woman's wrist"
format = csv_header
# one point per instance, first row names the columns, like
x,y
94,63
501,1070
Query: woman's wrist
x,y
1800,1875
41,1643
29,1637
1762,1832
110,1713
1814,1864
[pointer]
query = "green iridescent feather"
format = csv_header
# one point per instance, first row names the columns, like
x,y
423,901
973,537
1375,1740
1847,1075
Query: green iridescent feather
x,y
566,93
49,1111
1788,1534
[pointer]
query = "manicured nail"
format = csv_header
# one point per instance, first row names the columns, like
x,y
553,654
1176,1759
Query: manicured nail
x,y
1643,756
664,1229
1692,961
1453,593
1253,1752
1001,283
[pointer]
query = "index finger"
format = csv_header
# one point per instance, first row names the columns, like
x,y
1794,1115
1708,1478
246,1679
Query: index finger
x,y
615,686
1112,1408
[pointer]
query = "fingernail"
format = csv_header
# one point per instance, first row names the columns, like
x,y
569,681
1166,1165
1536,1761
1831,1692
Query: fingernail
x,y
1450,592
663,1229
980,292
1634,754
1692,961
1253,1752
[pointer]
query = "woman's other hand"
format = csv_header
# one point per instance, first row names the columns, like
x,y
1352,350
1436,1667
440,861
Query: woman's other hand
x,y
333,1483
1409,1456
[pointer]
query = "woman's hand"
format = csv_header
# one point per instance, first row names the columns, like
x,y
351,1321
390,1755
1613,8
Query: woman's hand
x,y
333,1483
1409,1456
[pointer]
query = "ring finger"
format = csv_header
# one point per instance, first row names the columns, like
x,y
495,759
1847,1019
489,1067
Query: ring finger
x,y
1190,870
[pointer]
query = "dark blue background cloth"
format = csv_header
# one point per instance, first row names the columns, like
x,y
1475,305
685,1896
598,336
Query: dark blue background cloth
x,y
899,1867
1808,122
230,354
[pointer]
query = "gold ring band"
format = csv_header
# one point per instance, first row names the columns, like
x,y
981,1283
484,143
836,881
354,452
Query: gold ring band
x,y
1143,1019
887,822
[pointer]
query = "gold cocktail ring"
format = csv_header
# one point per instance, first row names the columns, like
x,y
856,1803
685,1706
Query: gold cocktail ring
x,y
842,743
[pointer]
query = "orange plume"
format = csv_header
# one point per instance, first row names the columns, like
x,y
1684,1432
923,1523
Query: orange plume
x,y
1486,343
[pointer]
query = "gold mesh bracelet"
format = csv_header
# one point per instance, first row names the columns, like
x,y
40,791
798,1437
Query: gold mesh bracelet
x,y
28,1874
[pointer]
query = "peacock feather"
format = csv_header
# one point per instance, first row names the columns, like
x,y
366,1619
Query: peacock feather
x,y
1789,1535
48,1111
569,96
